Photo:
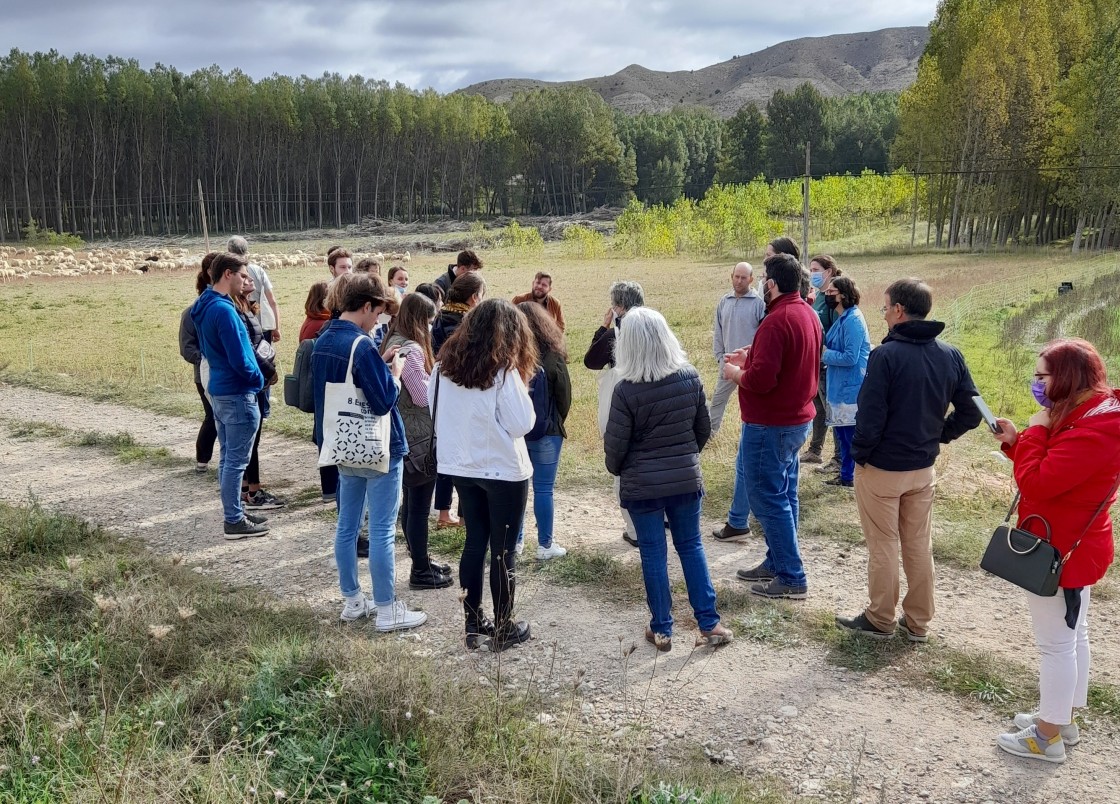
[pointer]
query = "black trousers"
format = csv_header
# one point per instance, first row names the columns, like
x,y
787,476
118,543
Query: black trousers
x,y
493,511
414,522
208,432
443,492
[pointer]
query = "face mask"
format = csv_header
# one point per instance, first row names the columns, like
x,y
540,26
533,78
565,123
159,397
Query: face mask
x,y
1038,388
403,289
816,280
831,302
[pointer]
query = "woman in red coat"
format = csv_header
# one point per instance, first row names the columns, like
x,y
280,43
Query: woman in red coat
x,y
1066,465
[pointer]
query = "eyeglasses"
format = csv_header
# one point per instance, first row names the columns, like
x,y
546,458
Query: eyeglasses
x,y
883,310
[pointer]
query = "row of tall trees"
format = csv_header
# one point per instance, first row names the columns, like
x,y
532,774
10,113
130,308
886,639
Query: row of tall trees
x,y
1015,115
103,148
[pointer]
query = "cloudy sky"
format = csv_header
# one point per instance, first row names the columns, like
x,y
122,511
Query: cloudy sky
x,y
445,44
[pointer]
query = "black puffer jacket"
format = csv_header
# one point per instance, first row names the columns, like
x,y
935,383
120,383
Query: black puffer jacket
x,y
655,433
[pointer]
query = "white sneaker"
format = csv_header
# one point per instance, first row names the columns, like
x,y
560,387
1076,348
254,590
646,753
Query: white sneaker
x,y
1032,745
1071,734
553,551
519,548
398,617
356,608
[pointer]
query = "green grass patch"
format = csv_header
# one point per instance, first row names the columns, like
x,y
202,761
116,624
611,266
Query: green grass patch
x,y
596,570
447,541
124,676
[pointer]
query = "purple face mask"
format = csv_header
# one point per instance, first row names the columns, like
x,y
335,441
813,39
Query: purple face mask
x,y
1038,388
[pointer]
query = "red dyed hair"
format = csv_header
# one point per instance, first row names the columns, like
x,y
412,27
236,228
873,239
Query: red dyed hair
x,y
1075,368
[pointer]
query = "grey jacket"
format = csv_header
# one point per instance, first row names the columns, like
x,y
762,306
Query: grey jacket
x,y
654,436
188,344
737,320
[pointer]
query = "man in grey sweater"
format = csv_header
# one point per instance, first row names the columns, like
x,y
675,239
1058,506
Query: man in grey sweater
x,y
738,315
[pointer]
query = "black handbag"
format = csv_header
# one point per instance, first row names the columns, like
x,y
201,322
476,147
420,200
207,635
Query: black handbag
x,y
1029,561
420,463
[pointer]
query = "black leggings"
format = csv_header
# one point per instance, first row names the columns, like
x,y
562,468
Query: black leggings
x,y
443,493
493,511
414,523
208,432
253,470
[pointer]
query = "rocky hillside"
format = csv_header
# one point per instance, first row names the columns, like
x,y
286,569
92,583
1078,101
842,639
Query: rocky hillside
x,y
878,61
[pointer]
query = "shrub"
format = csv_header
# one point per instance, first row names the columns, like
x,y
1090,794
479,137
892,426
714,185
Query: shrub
x,y
583,243
34,236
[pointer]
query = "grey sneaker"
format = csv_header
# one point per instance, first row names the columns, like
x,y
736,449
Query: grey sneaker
x,y
1071,734
1030,744
239,530
861,625
810,457
778,590
913,636
731,534
255,519
756,574
261,500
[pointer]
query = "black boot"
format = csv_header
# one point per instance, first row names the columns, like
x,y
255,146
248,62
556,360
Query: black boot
x,y
431,578
479,629
508,631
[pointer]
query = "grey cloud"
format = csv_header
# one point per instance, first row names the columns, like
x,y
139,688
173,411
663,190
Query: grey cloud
x,y
445,44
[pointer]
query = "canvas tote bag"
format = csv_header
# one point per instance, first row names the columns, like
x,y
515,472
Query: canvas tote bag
x,y
353,435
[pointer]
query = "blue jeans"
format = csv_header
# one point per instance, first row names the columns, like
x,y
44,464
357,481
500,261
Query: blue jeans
x,y
545,457
844,444
772,466
381,494
238,418
740,499
684,524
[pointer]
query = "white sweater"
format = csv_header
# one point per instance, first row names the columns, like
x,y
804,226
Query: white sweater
x,y
481,433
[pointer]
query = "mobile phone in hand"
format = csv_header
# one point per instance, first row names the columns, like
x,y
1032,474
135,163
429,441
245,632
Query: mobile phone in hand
x,y
987,414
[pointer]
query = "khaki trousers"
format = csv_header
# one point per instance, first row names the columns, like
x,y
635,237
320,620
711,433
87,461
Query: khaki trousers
x,y
895,510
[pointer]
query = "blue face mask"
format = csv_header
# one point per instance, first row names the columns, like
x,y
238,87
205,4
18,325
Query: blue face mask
x,y
816,279
1038,388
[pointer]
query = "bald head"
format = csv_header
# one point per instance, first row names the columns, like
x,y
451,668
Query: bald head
x,y
741,276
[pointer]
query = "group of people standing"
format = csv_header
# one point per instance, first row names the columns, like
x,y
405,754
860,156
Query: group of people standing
x,y
487,381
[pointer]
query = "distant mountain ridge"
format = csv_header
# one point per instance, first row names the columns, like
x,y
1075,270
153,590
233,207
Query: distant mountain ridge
x,y
842,64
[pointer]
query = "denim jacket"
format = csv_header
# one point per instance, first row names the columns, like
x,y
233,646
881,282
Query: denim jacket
x,y
328,364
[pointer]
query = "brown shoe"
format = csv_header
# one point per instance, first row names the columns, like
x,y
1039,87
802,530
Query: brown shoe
x,y
447,520
810,457
663,642
719,635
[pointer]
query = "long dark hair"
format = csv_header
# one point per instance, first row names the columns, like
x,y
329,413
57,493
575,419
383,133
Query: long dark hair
x,y
202,281
495,335
411,323
545,330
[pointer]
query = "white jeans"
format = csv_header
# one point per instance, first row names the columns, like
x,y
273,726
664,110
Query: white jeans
x,y
1063,678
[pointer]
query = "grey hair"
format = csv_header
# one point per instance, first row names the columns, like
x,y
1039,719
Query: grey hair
x,y
645,349
237,245
626,295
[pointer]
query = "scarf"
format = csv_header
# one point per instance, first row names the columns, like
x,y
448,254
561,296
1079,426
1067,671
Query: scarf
x,y
455,307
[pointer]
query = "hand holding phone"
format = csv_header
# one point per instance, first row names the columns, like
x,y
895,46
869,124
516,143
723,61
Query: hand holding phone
x,y
986,413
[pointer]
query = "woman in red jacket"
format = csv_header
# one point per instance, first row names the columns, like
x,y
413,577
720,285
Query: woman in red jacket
x,y
1066,465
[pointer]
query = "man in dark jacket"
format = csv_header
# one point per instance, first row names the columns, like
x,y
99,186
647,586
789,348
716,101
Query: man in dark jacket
x,y
466,261
777,378
233,384
912,378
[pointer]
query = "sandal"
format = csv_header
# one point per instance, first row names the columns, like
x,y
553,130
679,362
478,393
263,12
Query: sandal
x,y
447,522
719,635
663,642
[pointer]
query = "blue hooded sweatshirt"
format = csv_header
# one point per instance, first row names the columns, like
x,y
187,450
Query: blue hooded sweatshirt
x,y
224,342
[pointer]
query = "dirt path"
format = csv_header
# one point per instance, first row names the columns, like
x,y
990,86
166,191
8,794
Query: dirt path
x,y
786,712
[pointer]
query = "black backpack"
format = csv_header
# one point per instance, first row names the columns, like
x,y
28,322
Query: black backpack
x,y
299,386
542,405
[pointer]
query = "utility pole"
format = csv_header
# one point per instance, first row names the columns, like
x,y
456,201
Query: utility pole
x,y
202,208
805,207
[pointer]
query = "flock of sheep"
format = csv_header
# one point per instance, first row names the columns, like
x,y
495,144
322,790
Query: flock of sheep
x,y
17,262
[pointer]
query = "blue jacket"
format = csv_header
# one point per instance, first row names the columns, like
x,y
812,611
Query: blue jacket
x,y
846,347
328,364
224,343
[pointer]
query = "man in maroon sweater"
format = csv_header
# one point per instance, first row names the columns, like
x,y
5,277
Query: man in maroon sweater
x,y
777,378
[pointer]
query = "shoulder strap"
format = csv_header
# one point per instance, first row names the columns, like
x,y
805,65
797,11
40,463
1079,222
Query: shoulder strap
x,y
435,406
1092,519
